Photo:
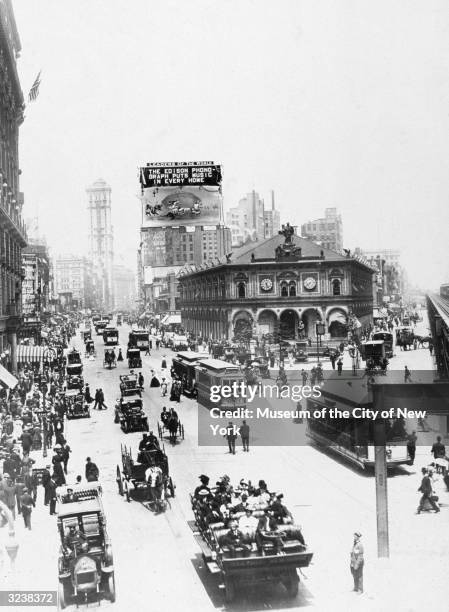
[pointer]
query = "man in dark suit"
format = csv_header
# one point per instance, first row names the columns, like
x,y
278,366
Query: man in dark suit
x,y
234,540
426,490
266,533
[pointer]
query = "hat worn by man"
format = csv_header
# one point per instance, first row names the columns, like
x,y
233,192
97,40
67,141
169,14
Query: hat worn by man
x,y
357,534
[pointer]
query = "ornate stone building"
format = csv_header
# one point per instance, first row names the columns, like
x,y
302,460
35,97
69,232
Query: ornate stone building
x,y
12,228
285,284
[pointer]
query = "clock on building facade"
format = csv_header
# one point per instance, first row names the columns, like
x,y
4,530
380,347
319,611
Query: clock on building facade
x,y
266,284
310,283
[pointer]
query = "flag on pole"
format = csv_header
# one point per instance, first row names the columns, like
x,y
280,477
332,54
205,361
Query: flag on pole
x,y
34,91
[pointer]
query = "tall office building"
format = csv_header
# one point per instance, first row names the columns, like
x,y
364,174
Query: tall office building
x,y
250,221
327,231
75,283
101,251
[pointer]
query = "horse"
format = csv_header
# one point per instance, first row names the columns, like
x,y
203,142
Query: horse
x,y
172,425
422,339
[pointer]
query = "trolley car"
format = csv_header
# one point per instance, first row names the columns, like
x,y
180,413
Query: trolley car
x,y
353,437
110,336
184,365
217,372
140,339
387,338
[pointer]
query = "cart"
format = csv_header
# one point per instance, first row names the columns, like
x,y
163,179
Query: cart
x,y
133,473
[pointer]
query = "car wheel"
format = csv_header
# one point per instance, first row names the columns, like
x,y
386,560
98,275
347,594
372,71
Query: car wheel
x,y
61,596
111,588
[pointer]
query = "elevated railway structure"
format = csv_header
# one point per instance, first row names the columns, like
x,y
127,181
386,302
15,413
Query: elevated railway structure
x,y
438,311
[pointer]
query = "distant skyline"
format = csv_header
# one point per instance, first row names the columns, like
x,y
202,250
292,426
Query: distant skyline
x,y
327,103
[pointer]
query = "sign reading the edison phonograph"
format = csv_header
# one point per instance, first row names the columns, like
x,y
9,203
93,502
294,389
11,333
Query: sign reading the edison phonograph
x,y
181,193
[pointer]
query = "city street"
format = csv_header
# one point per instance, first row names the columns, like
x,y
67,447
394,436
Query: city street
x,y
327,497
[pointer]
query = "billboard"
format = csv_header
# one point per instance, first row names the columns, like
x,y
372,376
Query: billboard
x,y
186,193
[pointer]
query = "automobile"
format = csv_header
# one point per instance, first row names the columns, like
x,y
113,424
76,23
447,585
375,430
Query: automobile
x,y
131,415
129,381
74,369
74,382
85,564
75,405
74,357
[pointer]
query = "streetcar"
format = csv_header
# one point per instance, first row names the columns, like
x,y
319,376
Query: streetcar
x,y
444,291
211,372
110,336
140,339
100,326
353,437
184,365
387,338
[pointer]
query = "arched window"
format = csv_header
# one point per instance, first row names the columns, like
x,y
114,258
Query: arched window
x,y
336,286
241,290
292,289
284,289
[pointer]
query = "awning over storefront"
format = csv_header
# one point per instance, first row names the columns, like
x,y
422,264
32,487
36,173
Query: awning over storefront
x,y
7,379
380,313
173,319
338,316
32,354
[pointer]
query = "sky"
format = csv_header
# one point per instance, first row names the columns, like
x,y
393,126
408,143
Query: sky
x,y
329,103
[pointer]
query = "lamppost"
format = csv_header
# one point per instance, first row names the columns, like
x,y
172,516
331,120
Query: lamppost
x,y
320,331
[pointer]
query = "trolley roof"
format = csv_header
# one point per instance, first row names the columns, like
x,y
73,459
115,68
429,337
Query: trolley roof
x,y
192,356
218,365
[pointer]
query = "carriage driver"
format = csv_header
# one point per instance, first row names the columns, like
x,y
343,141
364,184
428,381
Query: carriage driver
x,y
74,540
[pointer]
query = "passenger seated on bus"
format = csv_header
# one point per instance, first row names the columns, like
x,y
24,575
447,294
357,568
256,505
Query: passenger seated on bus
x,y
235,540
267,533
280,512
248,523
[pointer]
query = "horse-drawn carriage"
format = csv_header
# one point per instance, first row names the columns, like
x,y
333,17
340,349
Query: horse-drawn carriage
x,y
129,413
134,358
110,359
90,349
172,426
86,568
86,334
134,473
75,405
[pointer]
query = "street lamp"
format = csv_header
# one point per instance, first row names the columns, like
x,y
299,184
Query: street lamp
x,y
320,331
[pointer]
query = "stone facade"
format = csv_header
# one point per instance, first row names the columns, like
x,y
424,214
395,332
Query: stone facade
x,y
277,286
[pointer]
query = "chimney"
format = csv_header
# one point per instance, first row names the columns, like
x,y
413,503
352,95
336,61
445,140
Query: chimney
x,y
272,199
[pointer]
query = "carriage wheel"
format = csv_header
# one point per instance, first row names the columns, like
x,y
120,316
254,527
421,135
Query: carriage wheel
x,y
159,431
182,431
119,482
61,596
171,487
126,490
111,588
